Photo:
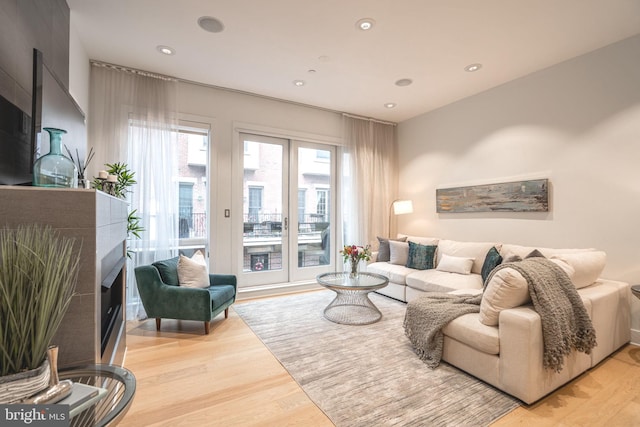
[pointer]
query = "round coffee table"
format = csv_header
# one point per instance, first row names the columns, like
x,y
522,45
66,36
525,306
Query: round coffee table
x,y
352,305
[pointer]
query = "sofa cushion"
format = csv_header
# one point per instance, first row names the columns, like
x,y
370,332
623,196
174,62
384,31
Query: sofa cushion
x,y
221,294
421,240
421,256
396,273
505,289
398,252
455,264
468,330
508,250
442,281
476,250
587,266
491,261
383,248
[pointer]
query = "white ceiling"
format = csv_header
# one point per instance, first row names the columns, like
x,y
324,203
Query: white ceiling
x,y
267,44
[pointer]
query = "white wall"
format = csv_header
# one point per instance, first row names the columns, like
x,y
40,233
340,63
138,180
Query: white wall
x,y
228,110
223,110
577,123
79,70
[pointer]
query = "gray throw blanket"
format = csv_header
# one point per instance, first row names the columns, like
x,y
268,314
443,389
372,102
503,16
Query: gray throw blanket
x,y
565,322
426,316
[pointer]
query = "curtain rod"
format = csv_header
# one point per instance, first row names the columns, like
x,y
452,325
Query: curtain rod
x,y
369,119
132,71
242,92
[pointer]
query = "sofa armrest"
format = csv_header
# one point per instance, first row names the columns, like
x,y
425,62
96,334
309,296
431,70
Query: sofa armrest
x,y
521,356
223,279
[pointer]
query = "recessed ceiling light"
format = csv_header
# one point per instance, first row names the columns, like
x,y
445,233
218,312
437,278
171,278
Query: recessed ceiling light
x,y
365,24
404,82
166,50
390,105
472,67
210,24
299,83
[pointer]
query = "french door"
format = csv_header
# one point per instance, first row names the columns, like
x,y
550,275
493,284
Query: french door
x,y
288,206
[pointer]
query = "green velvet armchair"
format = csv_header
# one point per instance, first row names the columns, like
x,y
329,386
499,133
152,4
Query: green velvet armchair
x,y
162,297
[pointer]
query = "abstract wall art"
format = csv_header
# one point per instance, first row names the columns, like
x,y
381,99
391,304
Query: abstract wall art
x,y
517,196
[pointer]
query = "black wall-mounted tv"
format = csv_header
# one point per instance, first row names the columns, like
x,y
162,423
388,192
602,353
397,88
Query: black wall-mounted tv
x,y
22,139
54,107
16,143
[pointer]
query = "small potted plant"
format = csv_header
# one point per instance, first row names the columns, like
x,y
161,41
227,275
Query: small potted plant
x,y
38,275
120,188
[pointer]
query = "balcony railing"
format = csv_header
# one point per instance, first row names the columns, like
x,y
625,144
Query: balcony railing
x,y
192,226
270,224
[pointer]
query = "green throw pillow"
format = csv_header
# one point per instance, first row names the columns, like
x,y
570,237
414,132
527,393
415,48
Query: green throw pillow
x,y
168,270
491,261
421,256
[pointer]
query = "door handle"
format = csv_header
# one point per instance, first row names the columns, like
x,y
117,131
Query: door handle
x,y
286,223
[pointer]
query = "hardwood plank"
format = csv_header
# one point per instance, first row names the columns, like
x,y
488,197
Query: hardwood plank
x,y
187,378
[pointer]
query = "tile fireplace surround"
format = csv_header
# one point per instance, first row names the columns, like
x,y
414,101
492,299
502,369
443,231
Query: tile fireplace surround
x,y
99,222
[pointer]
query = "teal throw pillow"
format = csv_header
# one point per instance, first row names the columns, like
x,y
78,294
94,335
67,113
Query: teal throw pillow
x,y
491,261
421,256
168,270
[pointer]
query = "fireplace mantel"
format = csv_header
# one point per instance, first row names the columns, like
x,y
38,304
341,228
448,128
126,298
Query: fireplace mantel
x,y
99,222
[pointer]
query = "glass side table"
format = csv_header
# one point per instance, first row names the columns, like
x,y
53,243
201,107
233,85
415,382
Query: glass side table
x,y
352,305
120,384
635,290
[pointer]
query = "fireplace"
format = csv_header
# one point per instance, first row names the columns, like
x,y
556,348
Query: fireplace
x,y
111,316
93,329
111,307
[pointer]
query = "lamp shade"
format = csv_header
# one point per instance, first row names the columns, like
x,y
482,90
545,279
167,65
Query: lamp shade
x,y
401,207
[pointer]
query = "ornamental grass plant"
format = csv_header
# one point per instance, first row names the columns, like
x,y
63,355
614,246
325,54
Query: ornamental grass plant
x,y
38,275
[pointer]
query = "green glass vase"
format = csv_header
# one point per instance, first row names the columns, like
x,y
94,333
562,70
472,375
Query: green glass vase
x,y
55,169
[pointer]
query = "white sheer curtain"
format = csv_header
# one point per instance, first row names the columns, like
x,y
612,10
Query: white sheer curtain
x,y
369,180
134,120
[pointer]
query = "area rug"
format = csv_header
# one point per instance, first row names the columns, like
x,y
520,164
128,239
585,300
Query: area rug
x,y
368,375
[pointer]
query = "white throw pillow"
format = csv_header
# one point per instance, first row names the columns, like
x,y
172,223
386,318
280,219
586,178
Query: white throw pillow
x,y
455,264
192,272
476,250
506,289
587,266
398,252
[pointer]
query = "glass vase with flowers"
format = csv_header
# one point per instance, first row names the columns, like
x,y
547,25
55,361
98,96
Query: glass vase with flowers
x,y
353,254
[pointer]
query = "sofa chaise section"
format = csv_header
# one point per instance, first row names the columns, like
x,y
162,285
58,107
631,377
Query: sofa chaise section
x,y
509,353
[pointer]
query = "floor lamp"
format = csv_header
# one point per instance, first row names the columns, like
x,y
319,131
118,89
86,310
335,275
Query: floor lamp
x,y
399,207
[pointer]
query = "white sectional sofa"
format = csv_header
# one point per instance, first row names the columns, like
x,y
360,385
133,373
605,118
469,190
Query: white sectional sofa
x,y
502,345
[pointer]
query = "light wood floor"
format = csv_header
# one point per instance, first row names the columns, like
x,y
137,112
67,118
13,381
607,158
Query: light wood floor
x,y
229,378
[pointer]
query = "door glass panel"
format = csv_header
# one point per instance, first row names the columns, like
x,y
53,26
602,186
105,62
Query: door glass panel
x,y
192,201
262,206
314,182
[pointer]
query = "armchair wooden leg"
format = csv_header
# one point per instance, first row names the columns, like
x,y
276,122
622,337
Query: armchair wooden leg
x,y
226,313
157,323
206,328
